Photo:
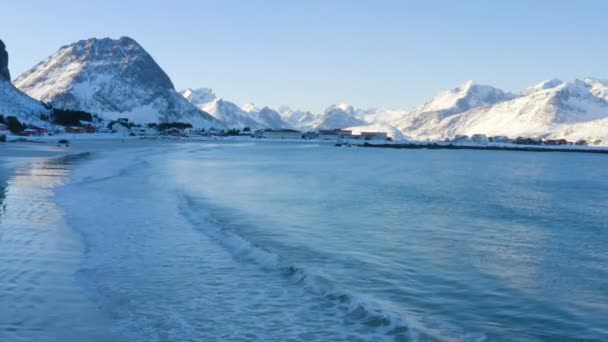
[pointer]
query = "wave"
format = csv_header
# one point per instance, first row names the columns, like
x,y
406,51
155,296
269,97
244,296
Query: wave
x,y
365,314
355,308
110,165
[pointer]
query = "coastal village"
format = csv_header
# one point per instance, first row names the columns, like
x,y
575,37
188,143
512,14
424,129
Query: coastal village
x,y
122,127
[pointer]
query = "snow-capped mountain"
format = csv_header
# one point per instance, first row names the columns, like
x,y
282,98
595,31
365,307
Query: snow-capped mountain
x,y
230,114
118,78
233,116
299,119
111,78
250,108
12,101
447,103
380,115
200,96
266,116
269,118
337,116
552,108
547,84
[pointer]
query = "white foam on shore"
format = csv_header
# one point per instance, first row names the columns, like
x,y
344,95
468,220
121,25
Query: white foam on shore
x,y
379,321
136,231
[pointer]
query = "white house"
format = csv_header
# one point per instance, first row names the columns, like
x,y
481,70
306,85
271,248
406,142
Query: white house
x,y
372,136
278,134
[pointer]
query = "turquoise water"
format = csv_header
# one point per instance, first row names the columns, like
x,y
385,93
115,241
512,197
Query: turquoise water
x,y
511,246
275,242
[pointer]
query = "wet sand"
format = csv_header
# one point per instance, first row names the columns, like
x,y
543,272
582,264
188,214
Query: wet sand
x,y
39,253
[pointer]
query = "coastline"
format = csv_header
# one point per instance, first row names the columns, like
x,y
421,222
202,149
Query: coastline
x,y
125,234
100,140
41,254
497,147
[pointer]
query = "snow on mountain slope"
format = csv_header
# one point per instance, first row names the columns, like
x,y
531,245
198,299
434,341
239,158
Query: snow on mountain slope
x,y
599,88
111,78
391,131
548,84
269,118
250,108
337,116
594,132
12,101
552,109
230,114
299,119
199,96
466,96
380,115
15,103
447,103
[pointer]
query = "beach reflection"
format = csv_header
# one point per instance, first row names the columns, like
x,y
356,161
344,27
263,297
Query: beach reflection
x,y
3,187
39,256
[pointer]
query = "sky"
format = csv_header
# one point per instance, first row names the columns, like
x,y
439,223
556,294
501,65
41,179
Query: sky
x,y
311,54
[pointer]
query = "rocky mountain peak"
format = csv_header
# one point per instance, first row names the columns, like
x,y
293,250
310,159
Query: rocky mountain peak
x,y
112,78
4,73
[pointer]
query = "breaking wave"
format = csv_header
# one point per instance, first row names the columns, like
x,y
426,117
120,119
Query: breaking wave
x,y
367,313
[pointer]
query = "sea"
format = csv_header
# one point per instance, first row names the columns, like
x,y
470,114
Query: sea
x,y
286,241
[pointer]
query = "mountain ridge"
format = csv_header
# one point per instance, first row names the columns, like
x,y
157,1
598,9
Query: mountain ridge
x,y
110,78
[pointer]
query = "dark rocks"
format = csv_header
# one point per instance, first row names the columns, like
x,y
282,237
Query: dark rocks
x,y
4,73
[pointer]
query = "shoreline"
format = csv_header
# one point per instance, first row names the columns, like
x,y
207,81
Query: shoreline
x,y
46,146
43,250
516,148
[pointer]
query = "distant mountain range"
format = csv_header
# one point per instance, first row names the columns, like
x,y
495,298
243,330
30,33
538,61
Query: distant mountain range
x,y
230,114
118,78
550,109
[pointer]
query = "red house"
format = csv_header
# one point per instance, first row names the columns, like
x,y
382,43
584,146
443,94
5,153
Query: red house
x,y
39,130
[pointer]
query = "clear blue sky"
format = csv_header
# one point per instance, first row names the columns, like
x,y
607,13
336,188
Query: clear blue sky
x,y
310,54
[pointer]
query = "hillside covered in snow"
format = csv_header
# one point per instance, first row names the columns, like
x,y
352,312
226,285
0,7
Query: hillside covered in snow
x,y
233,116
118,78
551,109
337,116
113,79
12,101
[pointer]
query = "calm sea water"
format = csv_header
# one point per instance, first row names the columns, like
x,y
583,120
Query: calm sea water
x,y
278,242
